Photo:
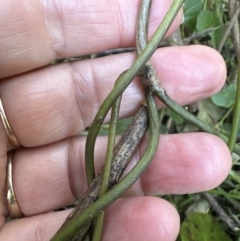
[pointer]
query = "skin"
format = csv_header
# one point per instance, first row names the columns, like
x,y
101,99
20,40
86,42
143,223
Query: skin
x,y
47,105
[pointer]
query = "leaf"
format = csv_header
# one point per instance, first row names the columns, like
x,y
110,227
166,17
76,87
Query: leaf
x,y
207,20
199,206
121,127
209,112
191,10
104,130
226,97
176,118
202,227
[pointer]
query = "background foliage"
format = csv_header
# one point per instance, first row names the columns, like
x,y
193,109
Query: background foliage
x,y
206,23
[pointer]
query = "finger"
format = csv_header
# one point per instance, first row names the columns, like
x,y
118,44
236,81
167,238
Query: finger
x,y
188,159
65,98
47,178
141,218
138,218
34,33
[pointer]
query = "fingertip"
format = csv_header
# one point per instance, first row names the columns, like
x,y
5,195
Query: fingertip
x,y
40,227
141,218
215,68
176,64
217,165
213,65
187,163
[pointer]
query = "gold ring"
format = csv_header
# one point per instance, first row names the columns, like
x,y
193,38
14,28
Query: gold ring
x,y
13,208
7,127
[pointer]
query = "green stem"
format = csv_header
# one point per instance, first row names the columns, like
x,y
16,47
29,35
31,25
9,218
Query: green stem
x,y
124,80
205,5
227,30
226,194
78,222
110,148
123,153
107,166
234,176
226,115
161,114
98,227
142,26
234,202
236,115
162,95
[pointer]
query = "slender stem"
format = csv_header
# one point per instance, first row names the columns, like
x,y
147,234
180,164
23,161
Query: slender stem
x,y
233,20
110,148
233,4
97,234
142,26
234,176
226,115
236,114
97,122
123,153
67,232
161,114
98,227
124,80
221,212
205,4
224,193
162,95
141,40
234,202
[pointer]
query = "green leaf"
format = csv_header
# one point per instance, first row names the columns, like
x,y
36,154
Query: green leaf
x,y
191,10
199,206
209,112
226,97
202,227
208,20
176,118
121,127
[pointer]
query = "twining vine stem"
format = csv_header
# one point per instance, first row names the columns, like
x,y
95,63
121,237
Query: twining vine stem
x,y
124,80
105,188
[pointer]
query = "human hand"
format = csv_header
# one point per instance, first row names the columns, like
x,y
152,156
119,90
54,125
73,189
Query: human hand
x,y
47,106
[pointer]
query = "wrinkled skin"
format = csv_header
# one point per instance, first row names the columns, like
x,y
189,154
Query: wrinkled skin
x,y
48,105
